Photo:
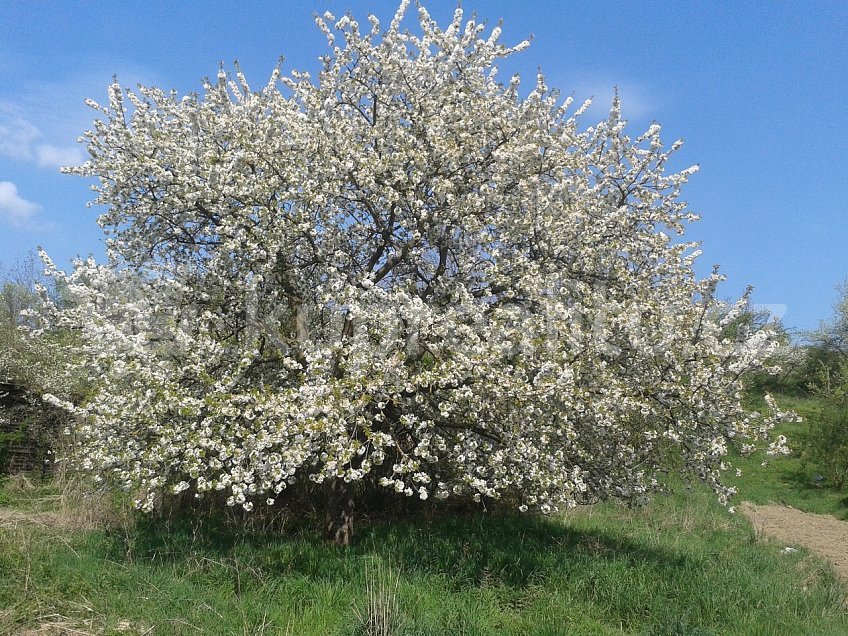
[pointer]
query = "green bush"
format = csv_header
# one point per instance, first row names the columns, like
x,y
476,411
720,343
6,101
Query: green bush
x,y
825,445
824,439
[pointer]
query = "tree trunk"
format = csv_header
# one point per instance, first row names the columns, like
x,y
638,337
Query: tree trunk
x,y
340,507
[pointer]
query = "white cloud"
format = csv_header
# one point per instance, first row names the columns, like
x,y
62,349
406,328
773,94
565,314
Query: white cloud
x,y
50,156
17,135
40,121
20,140
635,100
14,208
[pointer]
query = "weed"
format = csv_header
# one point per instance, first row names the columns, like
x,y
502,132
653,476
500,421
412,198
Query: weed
x,y
381,615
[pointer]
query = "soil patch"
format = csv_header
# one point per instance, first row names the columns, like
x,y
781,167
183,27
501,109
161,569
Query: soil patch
x,y
825,535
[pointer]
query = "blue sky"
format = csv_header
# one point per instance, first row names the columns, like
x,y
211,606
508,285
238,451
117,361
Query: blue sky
x,y
758,91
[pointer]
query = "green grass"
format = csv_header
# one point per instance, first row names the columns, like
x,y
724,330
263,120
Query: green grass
x,y
681,566
787,480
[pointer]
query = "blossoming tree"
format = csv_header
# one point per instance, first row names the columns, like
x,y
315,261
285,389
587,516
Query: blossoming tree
x,y
401,271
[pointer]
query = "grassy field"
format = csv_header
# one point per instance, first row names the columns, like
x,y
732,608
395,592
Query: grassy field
x,y
787,480
681,566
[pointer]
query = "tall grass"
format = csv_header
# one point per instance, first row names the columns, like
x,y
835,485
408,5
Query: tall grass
x,y
381,615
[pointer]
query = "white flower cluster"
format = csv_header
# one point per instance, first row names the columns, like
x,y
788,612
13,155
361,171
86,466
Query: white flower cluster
x,y
401,271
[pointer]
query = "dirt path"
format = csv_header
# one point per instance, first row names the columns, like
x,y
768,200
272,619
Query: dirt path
x,y
823,534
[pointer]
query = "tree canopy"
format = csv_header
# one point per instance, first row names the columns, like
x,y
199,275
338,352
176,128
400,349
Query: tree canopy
x,y
404,271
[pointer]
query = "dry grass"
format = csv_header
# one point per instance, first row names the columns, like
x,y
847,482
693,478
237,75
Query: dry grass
x,y
381,615
69,502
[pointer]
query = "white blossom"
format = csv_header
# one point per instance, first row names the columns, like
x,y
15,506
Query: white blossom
x,y
400,270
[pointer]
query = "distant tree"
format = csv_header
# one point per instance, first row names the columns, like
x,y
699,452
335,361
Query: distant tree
x,y
29,368
832,335
791,367
17,293
824,447
402,272
18,297
826,348
824,440
746,320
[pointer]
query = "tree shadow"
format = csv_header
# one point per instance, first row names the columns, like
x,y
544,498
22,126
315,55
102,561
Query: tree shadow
x,y
511,550
801,479
809,482
469,549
